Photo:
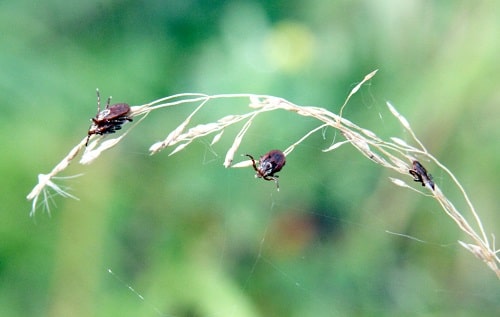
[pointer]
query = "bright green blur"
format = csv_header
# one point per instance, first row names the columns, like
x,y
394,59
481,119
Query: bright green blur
x,y
196,239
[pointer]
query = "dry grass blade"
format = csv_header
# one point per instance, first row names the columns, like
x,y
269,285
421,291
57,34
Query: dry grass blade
x,y
44,191
335,146
217,138
405,124
355,90
45,180
292,147
172,137
237,141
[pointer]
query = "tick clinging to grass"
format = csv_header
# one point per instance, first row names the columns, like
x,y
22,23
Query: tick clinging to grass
x,y
420,175
269,164
110,119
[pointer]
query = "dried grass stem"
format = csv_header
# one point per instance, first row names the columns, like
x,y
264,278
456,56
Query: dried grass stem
x,y
394,154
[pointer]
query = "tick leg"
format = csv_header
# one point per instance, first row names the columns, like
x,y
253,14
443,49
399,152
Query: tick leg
x,y
88,139
416,176
273,178
253,162
277,183
98,102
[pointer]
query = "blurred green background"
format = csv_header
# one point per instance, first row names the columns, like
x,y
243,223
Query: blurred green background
x,y
195,239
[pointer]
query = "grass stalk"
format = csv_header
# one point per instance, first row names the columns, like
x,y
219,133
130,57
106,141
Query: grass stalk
x,y
394,154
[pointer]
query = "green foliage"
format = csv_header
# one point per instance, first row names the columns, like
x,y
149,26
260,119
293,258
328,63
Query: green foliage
x,y
195,239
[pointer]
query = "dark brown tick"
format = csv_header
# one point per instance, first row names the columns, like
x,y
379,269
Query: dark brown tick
x,y
269,164
420,175
110,119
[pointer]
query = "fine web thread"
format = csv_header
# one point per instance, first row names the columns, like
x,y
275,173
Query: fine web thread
x,y
136,293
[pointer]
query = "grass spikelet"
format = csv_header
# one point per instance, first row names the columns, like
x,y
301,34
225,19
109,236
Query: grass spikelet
x,y
237,141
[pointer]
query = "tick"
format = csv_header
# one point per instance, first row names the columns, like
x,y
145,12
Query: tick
x,y
420,175
269,164
110,119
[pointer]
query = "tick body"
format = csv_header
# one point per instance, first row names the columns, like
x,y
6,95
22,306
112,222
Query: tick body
x,y
110,119
420,175
269,164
